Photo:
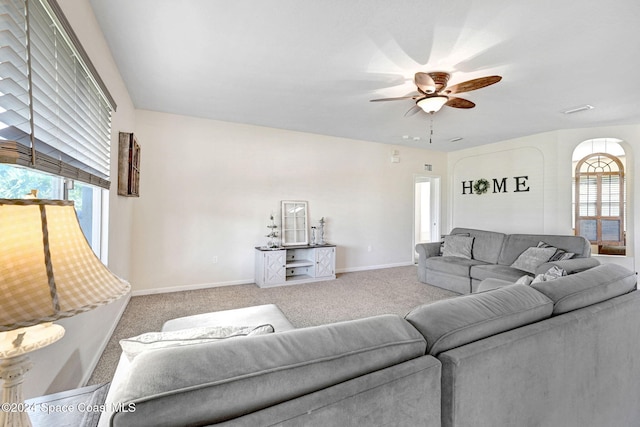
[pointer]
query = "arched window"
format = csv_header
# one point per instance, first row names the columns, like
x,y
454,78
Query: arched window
x,y
600,201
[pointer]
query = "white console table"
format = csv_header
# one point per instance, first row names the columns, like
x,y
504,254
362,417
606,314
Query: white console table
x,y
292,265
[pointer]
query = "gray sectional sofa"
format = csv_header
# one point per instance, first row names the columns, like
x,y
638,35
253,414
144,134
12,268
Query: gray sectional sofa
x,y
558,353
492,256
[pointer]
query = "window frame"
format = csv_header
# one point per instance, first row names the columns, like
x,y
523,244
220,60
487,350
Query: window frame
x,y
599,218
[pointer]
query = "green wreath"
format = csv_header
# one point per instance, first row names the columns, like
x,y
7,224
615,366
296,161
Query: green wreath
x,y
481,186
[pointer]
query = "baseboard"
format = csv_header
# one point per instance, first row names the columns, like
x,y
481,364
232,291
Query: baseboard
x,y
373,267
94,362
251,281
191,287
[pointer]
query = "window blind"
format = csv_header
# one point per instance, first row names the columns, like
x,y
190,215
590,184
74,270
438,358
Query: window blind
x,y
55,111
610,195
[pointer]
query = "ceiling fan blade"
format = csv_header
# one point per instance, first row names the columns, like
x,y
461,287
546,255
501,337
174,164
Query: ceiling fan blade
x,y
459,103
412,111
425,83
472,85
396,99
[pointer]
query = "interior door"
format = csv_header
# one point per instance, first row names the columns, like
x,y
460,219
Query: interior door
x,y
426,211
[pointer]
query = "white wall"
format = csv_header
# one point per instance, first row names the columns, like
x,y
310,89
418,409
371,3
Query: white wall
x,y
547,208
208,187
515,190
69,362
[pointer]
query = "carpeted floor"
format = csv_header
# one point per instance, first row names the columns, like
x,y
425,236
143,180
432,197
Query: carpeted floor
x,y
351,296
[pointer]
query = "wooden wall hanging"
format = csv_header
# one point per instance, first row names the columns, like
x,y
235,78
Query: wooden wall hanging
x,y
128,165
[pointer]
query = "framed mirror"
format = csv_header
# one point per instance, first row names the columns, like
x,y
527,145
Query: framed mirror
x,y
294,223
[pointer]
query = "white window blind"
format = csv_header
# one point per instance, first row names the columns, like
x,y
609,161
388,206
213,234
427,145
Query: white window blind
x,y
588,195
55,112
611,195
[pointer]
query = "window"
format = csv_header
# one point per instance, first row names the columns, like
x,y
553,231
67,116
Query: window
x,y
87,200
18,182
55,112
599,200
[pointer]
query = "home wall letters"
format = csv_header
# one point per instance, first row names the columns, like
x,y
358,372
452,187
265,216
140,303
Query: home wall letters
x,y
482,186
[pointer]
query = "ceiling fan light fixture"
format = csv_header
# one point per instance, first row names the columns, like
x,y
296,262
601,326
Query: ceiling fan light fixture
x,y
429,88
432,104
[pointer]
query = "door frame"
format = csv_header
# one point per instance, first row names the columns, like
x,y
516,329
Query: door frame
x,y
435,203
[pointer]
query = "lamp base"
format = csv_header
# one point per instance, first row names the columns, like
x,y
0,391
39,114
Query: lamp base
x,y
12,371
15,363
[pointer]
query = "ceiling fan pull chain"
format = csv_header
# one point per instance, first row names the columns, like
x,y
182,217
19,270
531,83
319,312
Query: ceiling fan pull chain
x,y
431,128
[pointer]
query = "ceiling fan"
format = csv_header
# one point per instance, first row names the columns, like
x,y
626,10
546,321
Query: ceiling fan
x,y
433,92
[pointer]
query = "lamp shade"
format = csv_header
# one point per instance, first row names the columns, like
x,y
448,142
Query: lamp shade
x,y
431,104
47,268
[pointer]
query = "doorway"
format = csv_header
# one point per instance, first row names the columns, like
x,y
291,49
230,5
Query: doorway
x,y
426,211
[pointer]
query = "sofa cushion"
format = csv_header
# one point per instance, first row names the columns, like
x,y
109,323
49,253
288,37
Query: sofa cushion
x,y
245,375
456,266
133,346
571,266
450,323
532,257
588,287
515,244
458,246
490,284
486,244
497,271
255,315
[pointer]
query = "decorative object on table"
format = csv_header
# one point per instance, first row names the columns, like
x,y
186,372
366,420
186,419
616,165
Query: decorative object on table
x,y
295,230
47,271
321,237
273,234
313,235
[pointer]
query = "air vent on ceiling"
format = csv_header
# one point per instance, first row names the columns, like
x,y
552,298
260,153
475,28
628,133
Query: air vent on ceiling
x,y
578,109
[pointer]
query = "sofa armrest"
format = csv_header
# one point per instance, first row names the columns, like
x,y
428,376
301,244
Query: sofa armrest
x,y
571,266
220,381
427,250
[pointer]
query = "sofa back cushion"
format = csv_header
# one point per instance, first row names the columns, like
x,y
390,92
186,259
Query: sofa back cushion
x,y
241,376
453,322
486,244
515,244
588,287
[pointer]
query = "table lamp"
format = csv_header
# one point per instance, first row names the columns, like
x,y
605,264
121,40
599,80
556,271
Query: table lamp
x,y
47,271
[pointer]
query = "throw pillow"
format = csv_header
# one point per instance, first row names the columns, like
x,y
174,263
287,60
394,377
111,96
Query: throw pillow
x,y
153,340
458,245
551,274
560,254
445,235
530,259
524,280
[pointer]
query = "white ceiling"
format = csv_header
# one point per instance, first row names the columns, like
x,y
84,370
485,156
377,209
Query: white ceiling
x,y
313,65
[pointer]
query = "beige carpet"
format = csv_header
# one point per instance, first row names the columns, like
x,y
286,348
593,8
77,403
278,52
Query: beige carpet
x,y
350,296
